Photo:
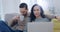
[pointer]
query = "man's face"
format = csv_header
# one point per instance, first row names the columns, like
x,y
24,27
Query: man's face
x,y
23,11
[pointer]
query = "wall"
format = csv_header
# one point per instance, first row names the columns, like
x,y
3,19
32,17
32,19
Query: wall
x,y
10,6
57,6
1,8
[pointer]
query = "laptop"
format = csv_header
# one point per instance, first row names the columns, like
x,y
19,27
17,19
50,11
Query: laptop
x,y
40,27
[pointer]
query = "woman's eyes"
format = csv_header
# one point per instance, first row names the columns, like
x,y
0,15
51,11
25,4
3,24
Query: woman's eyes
x,y
36,10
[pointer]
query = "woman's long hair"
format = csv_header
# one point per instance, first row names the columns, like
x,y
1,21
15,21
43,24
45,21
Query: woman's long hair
x,y
32,16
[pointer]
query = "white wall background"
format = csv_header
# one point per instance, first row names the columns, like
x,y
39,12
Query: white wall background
x,y
57,6
1,8
9,6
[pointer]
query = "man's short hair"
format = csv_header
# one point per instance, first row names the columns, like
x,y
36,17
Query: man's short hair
x,y
23,5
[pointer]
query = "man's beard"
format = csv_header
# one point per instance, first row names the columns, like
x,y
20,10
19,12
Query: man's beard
x,y
25,14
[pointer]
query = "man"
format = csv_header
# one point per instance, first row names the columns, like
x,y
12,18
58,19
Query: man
x,y
19,24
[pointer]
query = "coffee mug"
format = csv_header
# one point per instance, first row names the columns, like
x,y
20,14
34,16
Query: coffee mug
x,y
21,17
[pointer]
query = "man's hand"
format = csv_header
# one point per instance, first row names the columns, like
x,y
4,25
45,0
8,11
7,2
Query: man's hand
x,y
16,18
14,21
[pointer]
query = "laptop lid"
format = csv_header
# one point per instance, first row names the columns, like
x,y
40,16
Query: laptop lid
x,y
40,27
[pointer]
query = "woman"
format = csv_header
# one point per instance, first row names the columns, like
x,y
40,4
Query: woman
x,y
37,14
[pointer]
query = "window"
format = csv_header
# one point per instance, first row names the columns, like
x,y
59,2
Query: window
x,y
43,3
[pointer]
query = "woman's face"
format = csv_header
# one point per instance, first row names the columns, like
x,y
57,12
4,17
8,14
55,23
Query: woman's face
x,y
36,11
